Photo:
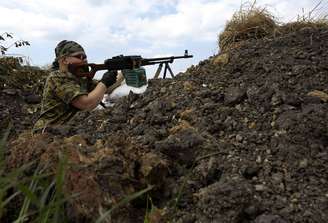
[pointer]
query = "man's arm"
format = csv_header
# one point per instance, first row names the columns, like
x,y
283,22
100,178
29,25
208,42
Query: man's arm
x,y
91,100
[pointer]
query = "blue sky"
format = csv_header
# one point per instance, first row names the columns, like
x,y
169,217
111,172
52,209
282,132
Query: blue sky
x,y
107,28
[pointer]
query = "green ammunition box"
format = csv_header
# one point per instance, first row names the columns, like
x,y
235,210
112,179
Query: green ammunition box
x,y
135,77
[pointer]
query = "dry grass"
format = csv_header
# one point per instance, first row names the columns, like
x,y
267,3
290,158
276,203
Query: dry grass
x,y
298,25
250,22
253,22
315,18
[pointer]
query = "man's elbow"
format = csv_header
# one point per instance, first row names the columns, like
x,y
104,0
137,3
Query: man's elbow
x,y
83,103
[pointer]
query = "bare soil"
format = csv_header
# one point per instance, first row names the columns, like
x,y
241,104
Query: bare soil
x,y
245,141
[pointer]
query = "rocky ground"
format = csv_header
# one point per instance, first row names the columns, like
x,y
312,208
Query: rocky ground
x,y
244,139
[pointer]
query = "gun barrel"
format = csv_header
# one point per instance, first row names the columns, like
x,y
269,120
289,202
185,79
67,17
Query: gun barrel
x,y
158,60
167,58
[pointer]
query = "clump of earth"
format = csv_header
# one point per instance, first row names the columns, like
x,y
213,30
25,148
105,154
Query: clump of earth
x,y
244,140
20,92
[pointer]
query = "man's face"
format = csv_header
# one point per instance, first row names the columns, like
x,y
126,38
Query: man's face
x,y
73,61
76,58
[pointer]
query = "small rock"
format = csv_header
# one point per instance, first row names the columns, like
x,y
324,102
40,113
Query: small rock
x,y
307,213
251,171
163,90
234,95
239,138
303,164
277,178
252,125
238,107
260,187
259,159
187,114
298,69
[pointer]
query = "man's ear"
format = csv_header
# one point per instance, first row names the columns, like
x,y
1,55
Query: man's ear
x,y
64,60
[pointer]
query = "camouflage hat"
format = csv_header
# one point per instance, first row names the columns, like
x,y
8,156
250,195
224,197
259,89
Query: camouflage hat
x,y
65,48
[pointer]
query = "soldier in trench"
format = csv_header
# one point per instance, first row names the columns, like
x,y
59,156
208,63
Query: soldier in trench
x,y
64,93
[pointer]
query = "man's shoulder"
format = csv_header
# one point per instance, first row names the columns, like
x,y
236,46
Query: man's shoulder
x,y
60,76
55,76
57,73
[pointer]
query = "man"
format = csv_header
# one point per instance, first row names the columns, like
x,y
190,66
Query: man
x,y
64,93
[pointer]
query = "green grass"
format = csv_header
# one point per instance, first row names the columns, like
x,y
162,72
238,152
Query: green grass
x,y
124,201
44,200
40,198
149,209
41,195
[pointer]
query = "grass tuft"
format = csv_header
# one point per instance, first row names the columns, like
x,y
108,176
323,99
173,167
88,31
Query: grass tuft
x,y
250,22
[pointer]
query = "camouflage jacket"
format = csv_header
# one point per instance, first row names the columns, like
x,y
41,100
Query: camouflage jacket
x,y
59,91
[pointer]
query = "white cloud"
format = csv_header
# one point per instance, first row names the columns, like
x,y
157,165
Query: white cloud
x,y
151,27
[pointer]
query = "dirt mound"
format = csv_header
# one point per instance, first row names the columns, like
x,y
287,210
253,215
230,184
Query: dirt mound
x,y
20,92
242,142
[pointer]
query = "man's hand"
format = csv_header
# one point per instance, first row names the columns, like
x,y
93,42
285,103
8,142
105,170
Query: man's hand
x,y
109,78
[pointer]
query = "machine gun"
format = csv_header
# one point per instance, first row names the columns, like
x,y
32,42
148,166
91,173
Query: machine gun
x,y
127,62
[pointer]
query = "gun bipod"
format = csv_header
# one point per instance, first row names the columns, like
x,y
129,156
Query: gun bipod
x,y
166,68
